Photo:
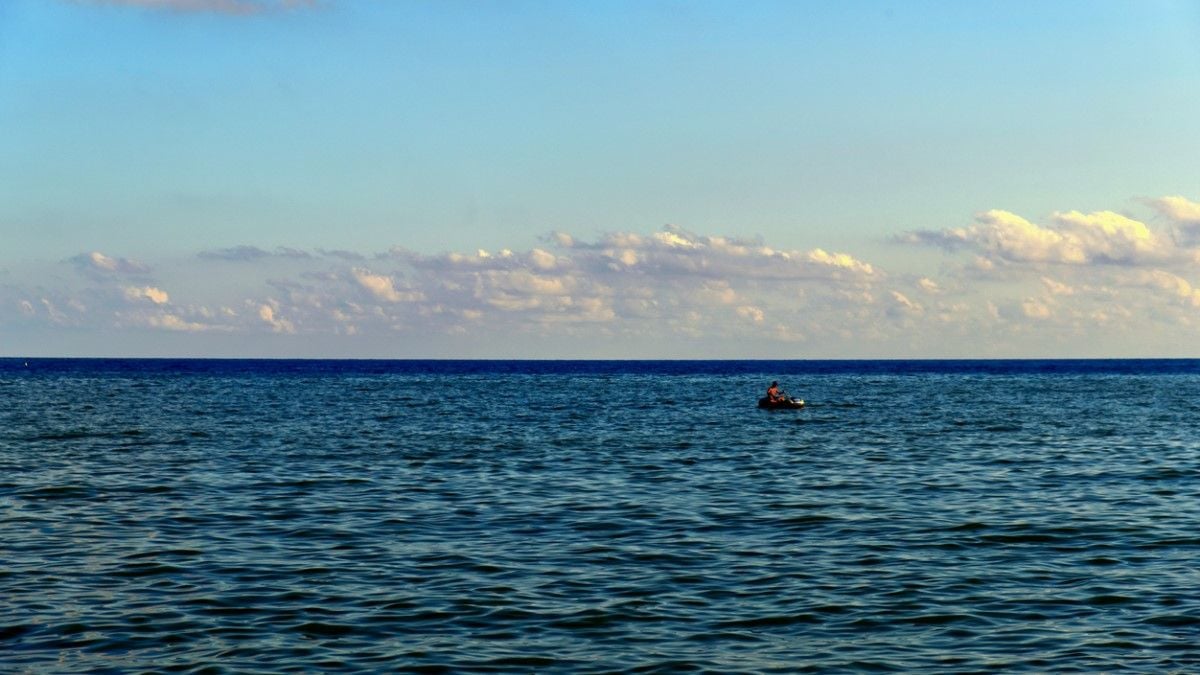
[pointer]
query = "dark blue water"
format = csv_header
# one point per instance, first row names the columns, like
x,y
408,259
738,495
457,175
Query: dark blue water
x,y
280,516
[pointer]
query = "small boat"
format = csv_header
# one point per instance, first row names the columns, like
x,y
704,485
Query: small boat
x,y
785,404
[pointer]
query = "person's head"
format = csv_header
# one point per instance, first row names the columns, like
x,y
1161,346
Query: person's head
x,y
774,384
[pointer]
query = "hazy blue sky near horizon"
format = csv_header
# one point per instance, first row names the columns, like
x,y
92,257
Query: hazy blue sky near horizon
x,y
659,179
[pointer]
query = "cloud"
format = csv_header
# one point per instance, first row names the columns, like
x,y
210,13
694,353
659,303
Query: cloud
x,y
52,311
1174,284
1109,237
902,301
525,282
675,251
1057,287
154,295
98,264
63,311
286,252
1073,238
342,254
928,285
232,7
177,319
626,279
251,253
543,260
1035,309
751,313
266,313
382,287
562,239
1179,209
837,261
520,289
1017,280
1184,214
237,253
175,323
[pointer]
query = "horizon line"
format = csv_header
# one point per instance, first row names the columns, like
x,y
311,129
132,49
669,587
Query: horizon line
x,y
592,360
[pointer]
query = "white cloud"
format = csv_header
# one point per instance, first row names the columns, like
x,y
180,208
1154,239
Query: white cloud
x,y
716,292
342,254
542,260
1128,273
382,287
903,301
982,264
279,325
98,264
630,278
677,252
1105,236
55,314
1173,284
951,313
1075,238
1035,308
751,313
1184,214
154,295
100,261
626,256
527,283
839,260
1179,209
252,253
174,322
671,239
1057,287
654,288
673,253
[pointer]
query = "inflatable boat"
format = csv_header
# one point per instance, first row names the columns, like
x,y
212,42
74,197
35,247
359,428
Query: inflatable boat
x,y
785,404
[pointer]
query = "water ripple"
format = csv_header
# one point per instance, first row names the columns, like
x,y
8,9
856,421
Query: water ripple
x,y
586,522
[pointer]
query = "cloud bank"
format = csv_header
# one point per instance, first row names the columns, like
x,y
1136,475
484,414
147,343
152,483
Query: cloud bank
x,y
1002,283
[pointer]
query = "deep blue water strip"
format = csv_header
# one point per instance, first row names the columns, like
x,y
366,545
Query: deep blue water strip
x,y
316,367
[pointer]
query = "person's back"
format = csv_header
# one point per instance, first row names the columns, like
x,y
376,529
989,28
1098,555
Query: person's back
x,y
773,392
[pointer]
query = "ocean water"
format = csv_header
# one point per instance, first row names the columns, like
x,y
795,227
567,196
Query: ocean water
x,y
308,516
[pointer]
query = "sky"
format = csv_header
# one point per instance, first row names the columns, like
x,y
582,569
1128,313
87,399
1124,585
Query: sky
x,y
445,179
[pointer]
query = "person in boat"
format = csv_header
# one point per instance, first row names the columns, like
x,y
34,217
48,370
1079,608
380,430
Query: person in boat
x,y
773,395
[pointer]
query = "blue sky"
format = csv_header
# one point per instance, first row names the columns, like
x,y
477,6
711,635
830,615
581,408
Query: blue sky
x,y
342,163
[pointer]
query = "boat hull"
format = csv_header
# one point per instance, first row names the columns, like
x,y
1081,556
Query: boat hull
x,y
787,404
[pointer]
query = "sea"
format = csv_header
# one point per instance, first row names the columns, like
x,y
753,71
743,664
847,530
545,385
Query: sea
x,y
243,516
